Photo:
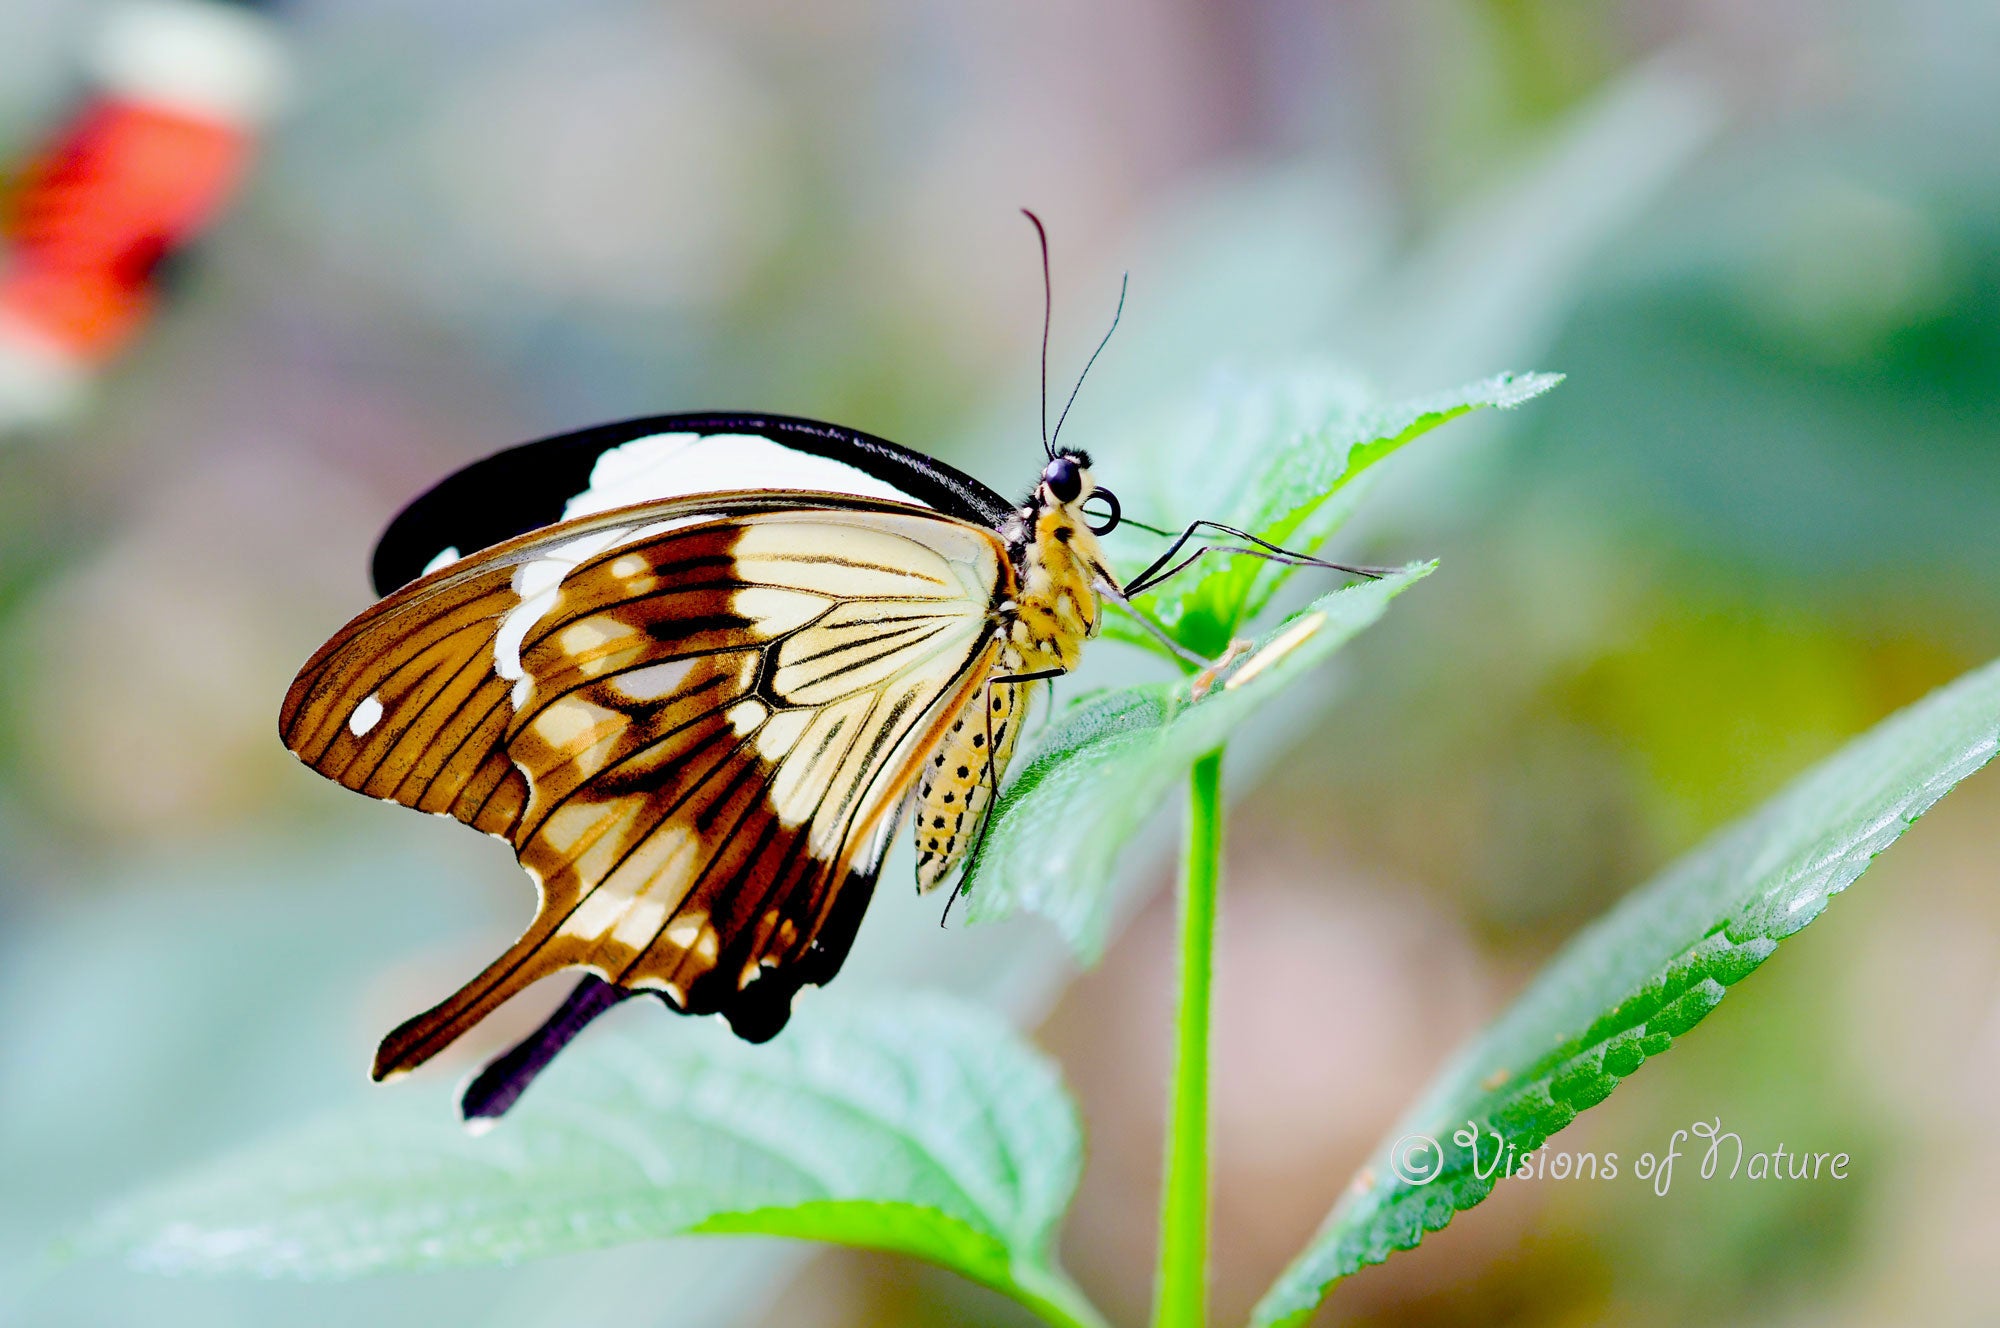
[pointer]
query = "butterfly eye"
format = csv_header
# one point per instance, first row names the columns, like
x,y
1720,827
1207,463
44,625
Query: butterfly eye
x,y
1111,518
1064,478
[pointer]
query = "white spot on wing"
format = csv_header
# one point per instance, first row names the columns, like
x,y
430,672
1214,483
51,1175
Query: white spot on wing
x,y
365,717
673,465
654,681
560,559
445,558
595,915
642,921
778,737
514,630
745,716
538,583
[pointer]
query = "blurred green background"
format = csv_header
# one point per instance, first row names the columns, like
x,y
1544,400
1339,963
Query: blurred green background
x,y
1763,241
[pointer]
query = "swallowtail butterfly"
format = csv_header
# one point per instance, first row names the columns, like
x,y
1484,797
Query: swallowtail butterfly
x,y
696,670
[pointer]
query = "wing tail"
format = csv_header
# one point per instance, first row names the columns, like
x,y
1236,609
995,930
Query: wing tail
x,y
417,1040
500,1084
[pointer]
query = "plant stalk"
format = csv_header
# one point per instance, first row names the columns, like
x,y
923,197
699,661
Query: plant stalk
x,y
1182,1286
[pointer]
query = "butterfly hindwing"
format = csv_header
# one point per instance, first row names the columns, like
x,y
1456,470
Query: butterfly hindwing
x,y
501,1082
712,718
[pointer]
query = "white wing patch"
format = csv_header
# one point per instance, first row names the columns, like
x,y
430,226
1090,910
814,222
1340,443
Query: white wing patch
x,y
445,557
537,582
675,465
365,717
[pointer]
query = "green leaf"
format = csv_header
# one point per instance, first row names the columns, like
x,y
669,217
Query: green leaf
x,y
1106,764
1307,435
917,1126
1642,975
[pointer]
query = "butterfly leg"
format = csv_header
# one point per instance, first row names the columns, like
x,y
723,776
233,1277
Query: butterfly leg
x,y
1160,570
1179,651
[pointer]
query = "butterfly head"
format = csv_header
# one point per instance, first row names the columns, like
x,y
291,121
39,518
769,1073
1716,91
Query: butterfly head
x,y
1067,483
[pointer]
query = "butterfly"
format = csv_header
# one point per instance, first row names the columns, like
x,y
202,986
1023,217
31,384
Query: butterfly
x,y
696,670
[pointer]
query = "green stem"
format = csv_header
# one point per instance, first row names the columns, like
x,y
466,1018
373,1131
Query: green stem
x,y
1183,1278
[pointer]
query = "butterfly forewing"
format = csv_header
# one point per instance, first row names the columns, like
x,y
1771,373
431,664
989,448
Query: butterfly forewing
x,y
709,720
423,723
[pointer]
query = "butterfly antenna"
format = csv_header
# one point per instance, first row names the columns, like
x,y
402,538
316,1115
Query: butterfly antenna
x,y
1048,312
1123,282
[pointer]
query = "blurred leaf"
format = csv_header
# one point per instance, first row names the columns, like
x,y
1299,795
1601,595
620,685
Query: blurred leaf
x,y
1644,974
917,1126
1109,762
1294,440
175,1001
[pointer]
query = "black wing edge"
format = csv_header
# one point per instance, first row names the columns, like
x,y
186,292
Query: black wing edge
x,y
525,487
756,1013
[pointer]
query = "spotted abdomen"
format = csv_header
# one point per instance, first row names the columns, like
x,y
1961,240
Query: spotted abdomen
x,y
956,789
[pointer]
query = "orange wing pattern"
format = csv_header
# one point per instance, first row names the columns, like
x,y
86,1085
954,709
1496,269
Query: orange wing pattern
x,y
696,721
